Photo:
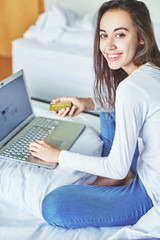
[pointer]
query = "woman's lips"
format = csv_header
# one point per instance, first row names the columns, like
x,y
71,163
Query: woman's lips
x,y
113,57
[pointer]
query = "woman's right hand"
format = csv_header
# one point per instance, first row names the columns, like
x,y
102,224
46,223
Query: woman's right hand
x,y
78,105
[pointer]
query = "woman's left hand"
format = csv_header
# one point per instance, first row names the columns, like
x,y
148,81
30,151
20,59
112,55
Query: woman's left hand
x,y
44,151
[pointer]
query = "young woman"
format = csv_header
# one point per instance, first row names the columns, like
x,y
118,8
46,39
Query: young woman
x,y
127,73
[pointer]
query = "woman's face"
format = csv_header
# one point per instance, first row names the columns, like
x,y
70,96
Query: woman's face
x,y
118,40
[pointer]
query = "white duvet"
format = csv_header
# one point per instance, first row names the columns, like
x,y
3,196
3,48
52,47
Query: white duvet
x,y
63,27
23,187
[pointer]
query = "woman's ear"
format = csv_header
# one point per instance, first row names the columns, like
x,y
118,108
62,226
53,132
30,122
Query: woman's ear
x,y
141,42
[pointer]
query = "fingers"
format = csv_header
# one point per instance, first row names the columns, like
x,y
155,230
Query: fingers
x,y
72,111
34,146
63,112
37,148
77,106
66,112
44,151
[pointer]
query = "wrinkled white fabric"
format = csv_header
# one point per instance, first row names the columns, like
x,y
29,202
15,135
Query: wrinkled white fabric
x,y
63,27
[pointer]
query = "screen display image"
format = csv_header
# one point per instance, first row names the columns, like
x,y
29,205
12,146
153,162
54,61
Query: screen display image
x,y
14,106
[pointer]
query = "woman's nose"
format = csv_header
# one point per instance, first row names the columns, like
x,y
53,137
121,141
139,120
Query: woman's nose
x,y
110,45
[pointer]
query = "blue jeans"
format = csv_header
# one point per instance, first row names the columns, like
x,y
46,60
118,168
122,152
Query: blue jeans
x,y
76,206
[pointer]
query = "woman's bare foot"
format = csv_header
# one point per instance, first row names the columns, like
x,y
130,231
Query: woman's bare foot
x,y
103,181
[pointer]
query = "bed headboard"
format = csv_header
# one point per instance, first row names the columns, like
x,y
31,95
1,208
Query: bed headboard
x,y
89,6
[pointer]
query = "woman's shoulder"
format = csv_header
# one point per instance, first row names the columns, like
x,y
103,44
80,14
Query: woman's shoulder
x,y
146,76
142,86
147,70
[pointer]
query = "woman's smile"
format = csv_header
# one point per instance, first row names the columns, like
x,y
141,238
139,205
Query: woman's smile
x,y
113,57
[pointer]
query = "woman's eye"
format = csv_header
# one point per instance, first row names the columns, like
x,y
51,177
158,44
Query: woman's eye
x,y
119,35
103,35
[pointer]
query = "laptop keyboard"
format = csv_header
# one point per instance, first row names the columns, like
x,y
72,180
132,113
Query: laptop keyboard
x,y
41,129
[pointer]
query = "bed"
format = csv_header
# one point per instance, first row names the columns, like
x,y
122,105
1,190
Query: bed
x,y
53,68
23,188
57,54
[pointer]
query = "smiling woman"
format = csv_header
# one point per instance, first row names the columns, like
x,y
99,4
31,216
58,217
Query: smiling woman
x,y
119,43
127,86
128,19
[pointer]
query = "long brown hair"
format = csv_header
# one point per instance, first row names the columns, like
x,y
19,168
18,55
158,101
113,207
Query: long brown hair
x,y
106,79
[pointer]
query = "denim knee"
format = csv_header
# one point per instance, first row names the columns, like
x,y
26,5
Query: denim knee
x,y
53,210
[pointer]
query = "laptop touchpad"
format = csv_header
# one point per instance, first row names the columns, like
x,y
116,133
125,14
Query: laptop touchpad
x,y
55,142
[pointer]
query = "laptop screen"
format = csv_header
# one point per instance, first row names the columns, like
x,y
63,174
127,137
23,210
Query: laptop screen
x,y
14,105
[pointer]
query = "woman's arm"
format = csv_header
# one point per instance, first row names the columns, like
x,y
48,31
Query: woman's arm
x,y
130,117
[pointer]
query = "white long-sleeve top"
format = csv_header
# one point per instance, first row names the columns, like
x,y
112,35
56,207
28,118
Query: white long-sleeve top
x,y
137,110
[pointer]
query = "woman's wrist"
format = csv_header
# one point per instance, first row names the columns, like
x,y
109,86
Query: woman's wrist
x,y
88,104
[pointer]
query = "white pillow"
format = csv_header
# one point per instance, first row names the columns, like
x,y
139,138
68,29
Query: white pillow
x,y
25,186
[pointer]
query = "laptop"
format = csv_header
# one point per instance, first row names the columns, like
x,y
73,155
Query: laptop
x,y
19,125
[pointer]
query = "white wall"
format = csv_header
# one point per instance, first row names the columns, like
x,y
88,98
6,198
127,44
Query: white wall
x,y
81,7
85,6
154,8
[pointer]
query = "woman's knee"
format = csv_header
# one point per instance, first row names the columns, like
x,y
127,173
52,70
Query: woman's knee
x,y
54,208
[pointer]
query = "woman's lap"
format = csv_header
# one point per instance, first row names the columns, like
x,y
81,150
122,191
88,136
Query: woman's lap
x,y
76,206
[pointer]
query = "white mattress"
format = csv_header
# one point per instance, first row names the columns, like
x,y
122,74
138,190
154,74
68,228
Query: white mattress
x,y
53,71
20,196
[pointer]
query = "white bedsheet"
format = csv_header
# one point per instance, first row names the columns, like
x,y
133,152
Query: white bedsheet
x,y
24,221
